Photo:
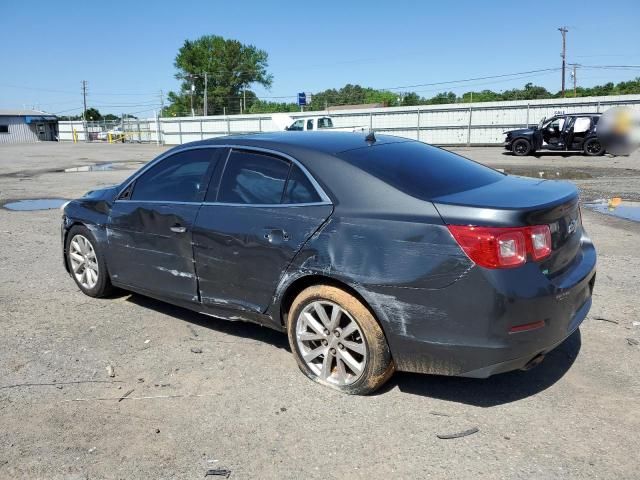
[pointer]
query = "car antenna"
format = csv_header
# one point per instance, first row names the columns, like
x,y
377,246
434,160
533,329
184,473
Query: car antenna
x,y
370,138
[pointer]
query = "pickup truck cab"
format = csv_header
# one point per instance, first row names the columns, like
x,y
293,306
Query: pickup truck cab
x,y
575,132
311,123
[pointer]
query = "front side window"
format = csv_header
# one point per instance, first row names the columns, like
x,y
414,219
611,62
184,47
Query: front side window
x,y
555,124
253,178
298,125
178,178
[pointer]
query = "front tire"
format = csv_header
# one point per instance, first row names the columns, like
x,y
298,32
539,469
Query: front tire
x,y
521,147
337,342
593,148
86,263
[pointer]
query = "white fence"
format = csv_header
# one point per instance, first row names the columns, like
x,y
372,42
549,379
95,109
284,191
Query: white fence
x,y
452,124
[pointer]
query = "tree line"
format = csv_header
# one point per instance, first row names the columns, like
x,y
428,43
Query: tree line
x,y
226,69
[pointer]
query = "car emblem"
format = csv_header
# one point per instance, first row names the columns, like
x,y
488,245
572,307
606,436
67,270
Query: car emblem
x,y
572,226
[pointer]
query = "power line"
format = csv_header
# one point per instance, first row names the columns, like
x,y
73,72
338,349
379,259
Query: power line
x,y
468,79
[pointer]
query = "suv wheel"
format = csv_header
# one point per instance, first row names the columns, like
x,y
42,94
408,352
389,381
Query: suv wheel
x,y
593,148
521,147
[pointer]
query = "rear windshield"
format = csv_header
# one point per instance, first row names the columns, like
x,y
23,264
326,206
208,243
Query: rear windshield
x,y
421,170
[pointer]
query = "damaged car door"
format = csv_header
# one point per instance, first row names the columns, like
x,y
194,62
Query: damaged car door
x,y
262,211
150,225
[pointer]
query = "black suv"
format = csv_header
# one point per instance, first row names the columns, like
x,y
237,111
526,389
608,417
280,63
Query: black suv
x,y
567,132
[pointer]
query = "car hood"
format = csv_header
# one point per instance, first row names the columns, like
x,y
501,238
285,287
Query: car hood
x,y
521,131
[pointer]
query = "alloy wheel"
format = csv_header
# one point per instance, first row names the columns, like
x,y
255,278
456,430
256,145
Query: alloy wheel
x,y
331,343
520,148
84,262
593,147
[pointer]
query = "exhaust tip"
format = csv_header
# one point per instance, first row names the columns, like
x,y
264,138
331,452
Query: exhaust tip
x,y
534,362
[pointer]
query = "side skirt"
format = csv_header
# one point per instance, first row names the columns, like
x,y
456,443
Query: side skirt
x,y
217,312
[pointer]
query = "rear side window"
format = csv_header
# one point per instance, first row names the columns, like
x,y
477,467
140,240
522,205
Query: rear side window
x,y
299,188
325,122
421,170
178,178
582,124
253,178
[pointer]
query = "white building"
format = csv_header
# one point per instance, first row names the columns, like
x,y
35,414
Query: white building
x,y
27,126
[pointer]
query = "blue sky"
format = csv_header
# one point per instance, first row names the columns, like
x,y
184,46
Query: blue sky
x,y
125,50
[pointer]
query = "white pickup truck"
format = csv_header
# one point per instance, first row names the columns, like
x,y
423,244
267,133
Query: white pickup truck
x,y
300,124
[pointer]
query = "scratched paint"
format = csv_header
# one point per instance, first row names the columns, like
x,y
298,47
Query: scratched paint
x,y
175,273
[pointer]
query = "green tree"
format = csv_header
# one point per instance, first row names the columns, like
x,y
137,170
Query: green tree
x,y
92,114
442,98
231,67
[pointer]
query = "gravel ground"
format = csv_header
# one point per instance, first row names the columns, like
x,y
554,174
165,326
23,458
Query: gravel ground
x,y
241,404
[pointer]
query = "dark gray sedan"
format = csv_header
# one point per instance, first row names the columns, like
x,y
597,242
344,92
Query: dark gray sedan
x,y
374,253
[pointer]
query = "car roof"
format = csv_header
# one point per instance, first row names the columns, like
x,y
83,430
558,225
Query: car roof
x,y
293,142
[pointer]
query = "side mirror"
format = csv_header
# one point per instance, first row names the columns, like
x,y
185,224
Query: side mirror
x,y
286,128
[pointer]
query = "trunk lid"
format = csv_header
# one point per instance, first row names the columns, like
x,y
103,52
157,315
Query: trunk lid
x,y
519,201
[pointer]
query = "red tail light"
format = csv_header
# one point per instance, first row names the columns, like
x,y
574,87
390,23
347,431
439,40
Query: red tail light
x,y
503,247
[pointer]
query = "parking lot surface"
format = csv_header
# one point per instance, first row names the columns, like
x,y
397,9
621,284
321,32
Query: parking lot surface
x,y
113,388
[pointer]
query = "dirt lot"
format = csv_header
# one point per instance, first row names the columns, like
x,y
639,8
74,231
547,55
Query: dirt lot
x,y
243,405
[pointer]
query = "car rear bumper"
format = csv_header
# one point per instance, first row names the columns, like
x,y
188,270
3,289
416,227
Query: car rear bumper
x,y
530,358
473,327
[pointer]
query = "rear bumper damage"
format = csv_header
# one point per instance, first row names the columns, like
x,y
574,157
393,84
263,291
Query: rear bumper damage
x,y
490,321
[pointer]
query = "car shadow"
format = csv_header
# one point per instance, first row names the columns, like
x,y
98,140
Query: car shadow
x,y
495,390
544,154
246,330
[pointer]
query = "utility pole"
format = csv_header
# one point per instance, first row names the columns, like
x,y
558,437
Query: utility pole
x,y
205,109
84,112
161,102
244,99
574,75
563,31
84,98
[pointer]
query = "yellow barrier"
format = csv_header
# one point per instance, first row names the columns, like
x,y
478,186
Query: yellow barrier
x,y
118,137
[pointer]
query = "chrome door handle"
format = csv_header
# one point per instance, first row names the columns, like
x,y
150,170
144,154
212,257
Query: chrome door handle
x,y
178,229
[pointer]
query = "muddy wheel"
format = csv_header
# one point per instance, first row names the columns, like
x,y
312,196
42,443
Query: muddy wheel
x,y
521,147
337,342
593,148
86,263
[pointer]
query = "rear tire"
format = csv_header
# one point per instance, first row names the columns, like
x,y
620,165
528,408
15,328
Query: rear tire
x,y
521,147
593,148
86,263
337,342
